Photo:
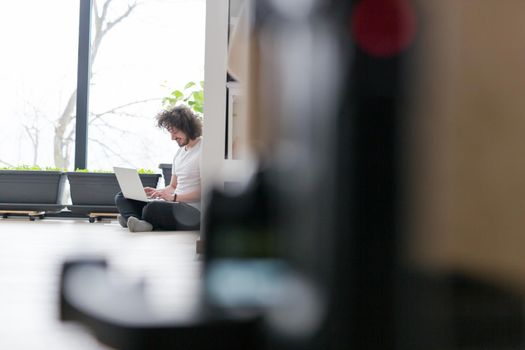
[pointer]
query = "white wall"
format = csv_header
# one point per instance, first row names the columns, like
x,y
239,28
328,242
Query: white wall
x,y
215,66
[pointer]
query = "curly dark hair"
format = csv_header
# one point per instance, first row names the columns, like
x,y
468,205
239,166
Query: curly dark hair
x,y
182,118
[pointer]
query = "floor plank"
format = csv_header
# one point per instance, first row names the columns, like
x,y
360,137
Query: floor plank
x,y
31,254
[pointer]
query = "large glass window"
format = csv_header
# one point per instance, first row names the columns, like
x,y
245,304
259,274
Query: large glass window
x,y
141,52
38,67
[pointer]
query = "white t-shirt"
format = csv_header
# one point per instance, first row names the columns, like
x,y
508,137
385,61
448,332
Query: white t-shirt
x,y
186,167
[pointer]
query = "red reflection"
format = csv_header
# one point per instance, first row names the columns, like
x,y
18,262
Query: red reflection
x,y
383,28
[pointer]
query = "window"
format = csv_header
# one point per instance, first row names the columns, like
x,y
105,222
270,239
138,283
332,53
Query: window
x,y
155,48
141,52
38,72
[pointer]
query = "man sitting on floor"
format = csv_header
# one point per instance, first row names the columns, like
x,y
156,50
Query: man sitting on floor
x,y
179,207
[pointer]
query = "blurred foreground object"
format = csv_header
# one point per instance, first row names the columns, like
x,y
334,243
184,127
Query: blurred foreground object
x,y
384,210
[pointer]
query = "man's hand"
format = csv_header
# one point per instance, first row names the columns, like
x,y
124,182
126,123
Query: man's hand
x,y
165,193
167,196
149,191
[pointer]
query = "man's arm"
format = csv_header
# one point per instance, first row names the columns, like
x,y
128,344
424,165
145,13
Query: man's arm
x,y
193,196
166,192
173,183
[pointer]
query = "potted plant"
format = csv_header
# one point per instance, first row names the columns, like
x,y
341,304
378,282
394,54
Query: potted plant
x,y
94,191
31,188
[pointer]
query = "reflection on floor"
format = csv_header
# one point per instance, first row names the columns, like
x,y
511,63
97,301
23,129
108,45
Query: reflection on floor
x,y
31,254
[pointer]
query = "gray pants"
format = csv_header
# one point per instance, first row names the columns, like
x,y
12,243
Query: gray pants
x,y
162,215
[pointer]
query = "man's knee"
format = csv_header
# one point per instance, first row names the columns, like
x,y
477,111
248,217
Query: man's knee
x,y
118,197
151,209
186,216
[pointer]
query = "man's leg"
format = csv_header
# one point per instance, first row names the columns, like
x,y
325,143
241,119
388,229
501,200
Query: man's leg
x,y
186,216
128,207
171,216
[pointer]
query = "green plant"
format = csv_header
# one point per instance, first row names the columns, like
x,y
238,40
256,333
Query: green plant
x,y
145,171
192,95
140,171
25,167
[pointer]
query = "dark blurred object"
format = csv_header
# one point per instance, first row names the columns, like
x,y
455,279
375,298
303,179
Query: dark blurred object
x,y
485,316
239,222
117,313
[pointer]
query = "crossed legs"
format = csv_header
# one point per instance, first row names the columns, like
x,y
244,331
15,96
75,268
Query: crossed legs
x,y
161,215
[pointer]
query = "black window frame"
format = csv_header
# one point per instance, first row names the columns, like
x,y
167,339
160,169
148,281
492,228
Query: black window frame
x,y
83,73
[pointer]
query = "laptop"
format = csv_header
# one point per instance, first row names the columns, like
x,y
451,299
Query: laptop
x,y
130,184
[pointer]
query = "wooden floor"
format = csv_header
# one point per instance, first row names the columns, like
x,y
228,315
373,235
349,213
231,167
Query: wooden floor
x,y
31,254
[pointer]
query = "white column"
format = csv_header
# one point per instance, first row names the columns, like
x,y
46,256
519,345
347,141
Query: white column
x,y
215,66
